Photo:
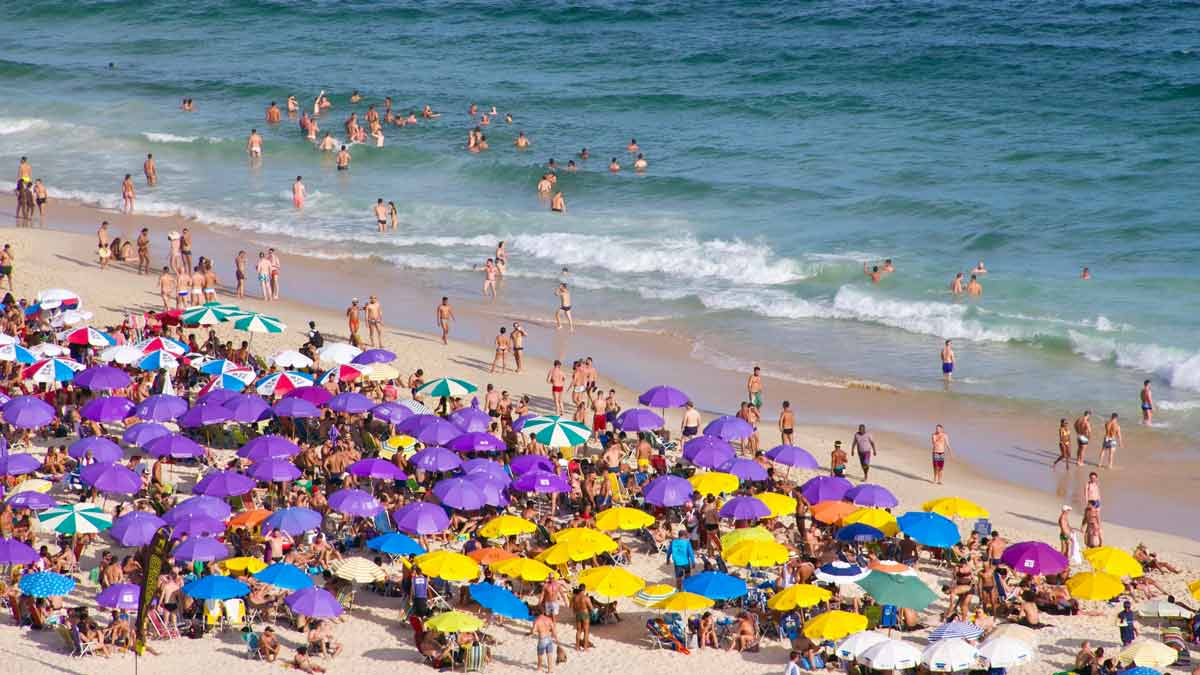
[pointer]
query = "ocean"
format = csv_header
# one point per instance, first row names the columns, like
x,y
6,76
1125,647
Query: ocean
x,y
788,143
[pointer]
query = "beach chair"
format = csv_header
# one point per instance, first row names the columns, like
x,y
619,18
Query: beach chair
x,y
213,614
983,527
250,638
64,634
659,635
383,523
160,627
888,617
235,613
474,658
1174,638
81,647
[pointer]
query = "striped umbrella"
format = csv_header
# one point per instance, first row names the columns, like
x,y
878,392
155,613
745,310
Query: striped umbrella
x,y
278,384
207,315
338,352
357,569
46,350
556,432
46,584
159,359
122,354
166,344
652,595
86,335
57,369
259,323
346,372
415,407
446,387
15,352
234,380
82,518
955,629
290,358
218,366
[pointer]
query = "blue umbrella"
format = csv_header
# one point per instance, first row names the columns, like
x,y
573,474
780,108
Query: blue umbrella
x,y
142,433
715,585
394,543
955,629
296,520
46,584
136,528
285,576
1140,670
859,533
929,529
215,588
499,600
15,352
158,359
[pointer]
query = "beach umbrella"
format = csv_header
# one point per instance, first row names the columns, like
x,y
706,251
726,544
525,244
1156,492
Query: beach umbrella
x,y
623,518
729,428
338,352
224,484
372,356
1015,631
220,367
54,298
825,488
459,494
522,464
955,507
254,322
429,429
737,536
792,456
832,511
215,587
347,372
159,359
929,529
6,340
524,569
19,464
357,569
667,491
270,446
447,565
17,552
280,383
435,460
876,518
663,396
869,494
859,533
714,483
1005,652
955,630
834,625
417,408
208,314
47,350
841,573
757,553
295,520
33,485
248,409
273,470
1148,653
1162,609
421,518
376,468
1140,670
1034,557
34,501
639,419
175,446
394,543
244,564
199,505
557,432
595,539
656,593
161,408
382,372
102,449
290,358
476,441
1113,561
744,508
898,590
317,396
102,378
107,409
111,478
46,584
86,335
48,371
506,526
519,423
27,412
798,596
1094,586
454,622
351,403
162,344
81,518
314,602
391,412
136,528
779,504
353,502
18,353
200,549
144,433
565,552
296,408
542,482
489,555
494,489
611,581
744,469
249,519
204,415
446,387
196,525
471,419
891,655
715,585
950,655
499,601
857,643
215,396
708,451
233,381
122,354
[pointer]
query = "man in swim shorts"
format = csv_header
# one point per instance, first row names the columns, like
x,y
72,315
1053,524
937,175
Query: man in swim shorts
x,y
940,442
754,387
381,214
1083,432
564,307
864,445
1112,440
947,362
6,265
691,422
556,379
787,423
1147,403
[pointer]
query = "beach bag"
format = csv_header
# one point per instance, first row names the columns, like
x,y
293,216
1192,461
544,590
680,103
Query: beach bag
x,y
1076,550
561,656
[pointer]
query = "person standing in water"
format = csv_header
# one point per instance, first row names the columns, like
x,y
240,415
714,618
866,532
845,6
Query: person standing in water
x,y
947,362
1147,403
1112,440
150,170
254,144
298,193
127,194
263,269
1083,432
381,215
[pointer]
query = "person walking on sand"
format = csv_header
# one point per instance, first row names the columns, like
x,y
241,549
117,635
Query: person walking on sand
x,y
1064,444
273,259
502,344
787,423
518,345
381,215
1083,433
864,445
352,318
1091,491
143,251
947,362
443,316
546,634
166,287
1112,440
556,379
1064,531
6,265
374,313
689,428
150,170
102,244
564,307
489,279
299,193
127,194
239,273
1147,403
263,269
940,442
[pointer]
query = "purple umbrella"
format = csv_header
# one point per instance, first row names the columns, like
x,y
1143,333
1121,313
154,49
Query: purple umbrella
x,y
215,397
161,408
526,463
270,446
421,518
435,459
199,505
350,402
729,428
825,488
34,501
489,467
107,409
746,469
27,412
248,408
102,378
311,393
869,494
460,494
492,487
142,433
519,423
119,596
354,502
708,451
315,602
16,465
295,520
790,455
136,528
476,441
745,508
471,419
202,549
273,470
374,356
429,429
391,412
204,415
639,419
196,524
17,552
102,449
1034,557
663,396
296,408
111,478
541,481
376,468
224,484
174,446
668,491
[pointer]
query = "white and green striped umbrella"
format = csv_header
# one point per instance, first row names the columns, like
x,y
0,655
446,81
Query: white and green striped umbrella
x,y
446,387
259,323
76,519
208,315
557,432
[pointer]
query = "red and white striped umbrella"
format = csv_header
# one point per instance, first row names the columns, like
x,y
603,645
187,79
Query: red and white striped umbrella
x,y
278,384
346,372
86,335
56,369
172,347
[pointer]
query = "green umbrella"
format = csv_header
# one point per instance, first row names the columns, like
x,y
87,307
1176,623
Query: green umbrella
x,y
446,387
207,315
76,519
899,590
557,432
259,323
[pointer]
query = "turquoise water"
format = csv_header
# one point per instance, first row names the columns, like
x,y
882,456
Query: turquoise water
x,y
788,143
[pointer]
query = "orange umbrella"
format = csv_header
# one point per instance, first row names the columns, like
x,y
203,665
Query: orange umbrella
x,y
249,518
829,512
490,555
890,567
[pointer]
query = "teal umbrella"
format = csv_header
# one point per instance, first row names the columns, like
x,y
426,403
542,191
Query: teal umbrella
x,y
899,590
556,432
76,519
208,315
258,323
446,387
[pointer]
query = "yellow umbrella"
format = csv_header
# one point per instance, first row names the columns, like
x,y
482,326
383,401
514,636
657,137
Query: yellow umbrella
x,y
401,442
570,551
586,536
611,581
955,507
1113,561
623,518
1148,654
381,372
834,625
798,596
780,505
684,602
357,569
506,526
714,482
876,518
756,553
32,485
756,533
448,565
454,622
1095,586
1194,588
830,511
654,594
244,564
522,568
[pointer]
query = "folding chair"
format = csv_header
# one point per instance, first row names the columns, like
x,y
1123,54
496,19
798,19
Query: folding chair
x,y
80,646
213,614
251,640
383,523
235,613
